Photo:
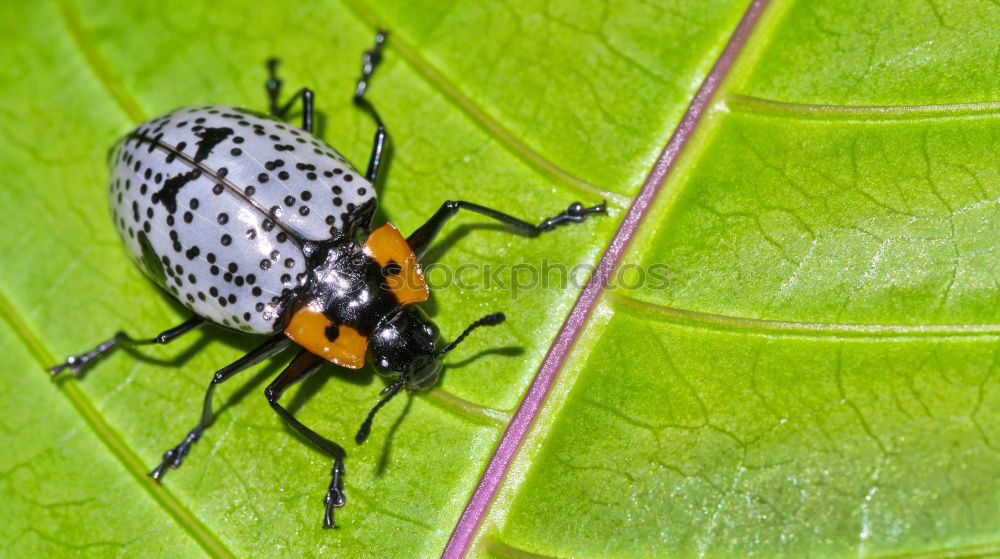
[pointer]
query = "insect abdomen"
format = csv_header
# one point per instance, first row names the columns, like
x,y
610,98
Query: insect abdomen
x,y
214,203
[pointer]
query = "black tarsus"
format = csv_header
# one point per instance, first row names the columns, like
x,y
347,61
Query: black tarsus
x,y
273,86
300,368
77,363
175,456
369,62
421,239
575,213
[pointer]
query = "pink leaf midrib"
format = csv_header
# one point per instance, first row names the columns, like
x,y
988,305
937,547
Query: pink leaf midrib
x,y
538,391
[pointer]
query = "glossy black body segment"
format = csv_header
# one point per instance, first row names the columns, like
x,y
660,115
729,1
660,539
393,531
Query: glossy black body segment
x,y
348,285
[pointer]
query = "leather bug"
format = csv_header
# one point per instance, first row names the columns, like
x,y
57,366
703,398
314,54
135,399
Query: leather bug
x,y
260,227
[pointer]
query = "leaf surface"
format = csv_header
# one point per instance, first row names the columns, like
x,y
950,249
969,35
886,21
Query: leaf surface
x,y
817,374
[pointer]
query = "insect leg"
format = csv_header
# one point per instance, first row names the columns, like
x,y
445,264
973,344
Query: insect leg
x,y
77,363
301,367
273,86
173,457
421,239
370,61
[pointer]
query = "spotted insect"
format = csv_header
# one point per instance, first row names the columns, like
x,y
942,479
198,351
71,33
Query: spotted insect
x,y
263,228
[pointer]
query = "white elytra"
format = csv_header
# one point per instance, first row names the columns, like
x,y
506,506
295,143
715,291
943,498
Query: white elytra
x,y
214,203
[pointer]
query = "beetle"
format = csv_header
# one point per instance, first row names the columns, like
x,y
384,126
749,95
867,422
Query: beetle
x,y
260,227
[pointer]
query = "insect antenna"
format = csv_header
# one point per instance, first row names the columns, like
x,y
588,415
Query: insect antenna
x,y
389,392
488,320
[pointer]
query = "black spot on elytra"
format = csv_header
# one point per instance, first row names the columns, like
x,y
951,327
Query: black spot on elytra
x,y
332,332
210,137
150,262
167,195
391,268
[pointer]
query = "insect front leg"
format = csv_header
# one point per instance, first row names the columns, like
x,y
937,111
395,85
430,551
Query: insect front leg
x,y
175,456
299,369
77,363
421,239
273,86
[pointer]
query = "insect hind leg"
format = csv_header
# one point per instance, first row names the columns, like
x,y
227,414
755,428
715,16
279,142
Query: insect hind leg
x,y
369,61
276,109
76,364
273,86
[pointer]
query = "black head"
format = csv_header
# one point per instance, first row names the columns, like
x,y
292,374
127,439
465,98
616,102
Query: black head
x,y
406,345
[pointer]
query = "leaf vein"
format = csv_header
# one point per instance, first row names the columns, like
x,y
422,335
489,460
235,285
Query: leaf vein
x,y
779,328
476,509
103,431
114,86
805,111
486,122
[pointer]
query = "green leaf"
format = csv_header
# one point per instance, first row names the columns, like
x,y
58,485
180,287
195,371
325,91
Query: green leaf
x,y
817,375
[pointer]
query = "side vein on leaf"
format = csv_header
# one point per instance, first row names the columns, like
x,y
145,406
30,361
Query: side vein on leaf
x,y
987,550
981,397
106,434
476,412
375,506
805,111
74,24
495,129
848,401
781,328
506,551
